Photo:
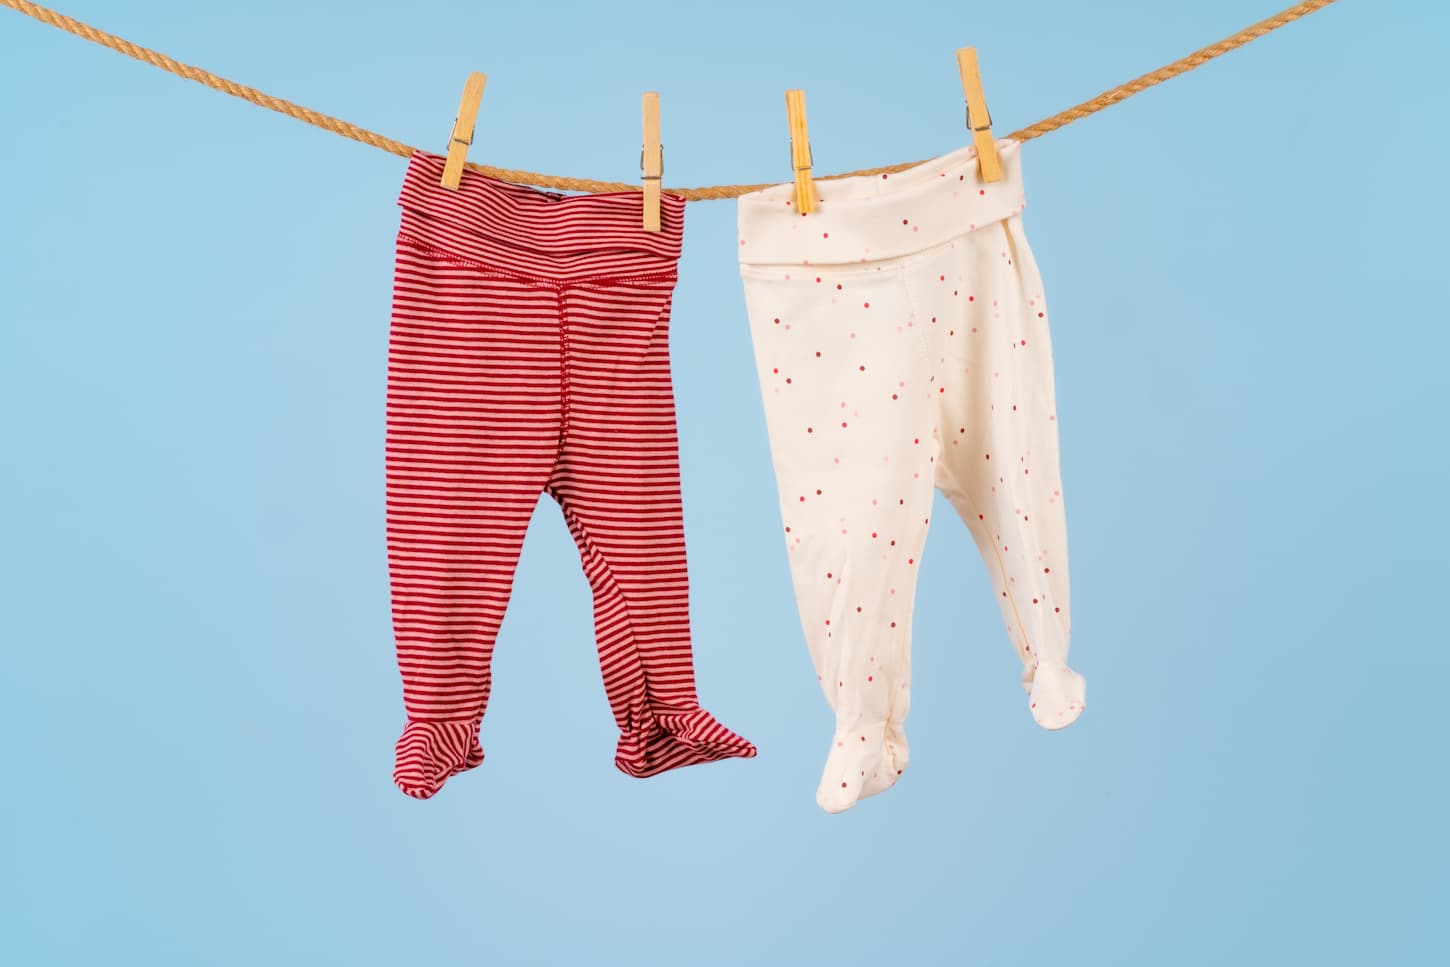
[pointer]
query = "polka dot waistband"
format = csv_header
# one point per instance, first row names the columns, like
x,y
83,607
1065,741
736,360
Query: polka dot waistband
x,y
871,217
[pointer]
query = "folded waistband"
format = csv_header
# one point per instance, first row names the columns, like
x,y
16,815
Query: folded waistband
x,y
537,233
868,217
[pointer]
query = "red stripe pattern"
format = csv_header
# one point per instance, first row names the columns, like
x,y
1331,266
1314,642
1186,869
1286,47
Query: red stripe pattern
x,y
528,354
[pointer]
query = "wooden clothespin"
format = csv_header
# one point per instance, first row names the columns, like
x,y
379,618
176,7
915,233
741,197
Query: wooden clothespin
x,y
652,161
979,119
462,135
800,151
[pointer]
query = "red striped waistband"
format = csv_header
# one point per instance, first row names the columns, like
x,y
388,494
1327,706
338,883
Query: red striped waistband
x,y
539,234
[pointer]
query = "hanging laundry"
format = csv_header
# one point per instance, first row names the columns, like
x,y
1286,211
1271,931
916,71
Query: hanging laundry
x,y
901,337
529,354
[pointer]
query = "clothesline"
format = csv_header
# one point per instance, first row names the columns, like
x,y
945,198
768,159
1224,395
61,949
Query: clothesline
x,y
348,130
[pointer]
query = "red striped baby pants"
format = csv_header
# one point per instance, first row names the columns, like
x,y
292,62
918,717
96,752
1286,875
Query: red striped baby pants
x,y
529,354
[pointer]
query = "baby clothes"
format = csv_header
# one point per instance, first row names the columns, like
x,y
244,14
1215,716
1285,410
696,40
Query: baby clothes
x,y
901,336
529,354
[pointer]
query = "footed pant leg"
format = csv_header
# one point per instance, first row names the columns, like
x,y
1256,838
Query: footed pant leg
x,y
618,482
850,411
472,432
999,462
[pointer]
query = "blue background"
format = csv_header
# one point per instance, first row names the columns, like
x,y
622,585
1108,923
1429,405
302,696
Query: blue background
x,y
199,699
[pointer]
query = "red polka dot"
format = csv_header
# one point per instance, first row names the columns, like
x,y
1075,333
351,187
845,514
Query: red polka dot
x,y
866,305
863,369
989,456
1047,570
971,298
981,191
838,286
825,235
810,429
777,322
843,426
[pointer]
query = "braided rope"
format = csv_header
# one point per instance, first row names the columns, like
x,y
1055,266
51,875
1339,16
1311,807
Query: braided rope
x,y
348,130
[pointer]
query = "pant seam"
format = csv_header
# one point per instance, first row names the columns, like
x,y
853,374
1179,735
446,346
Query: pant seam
x,y
562,294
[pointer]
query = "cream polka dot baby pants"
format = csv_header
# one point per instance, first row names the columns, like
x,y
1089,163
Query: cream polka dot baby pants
x,y
901,335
